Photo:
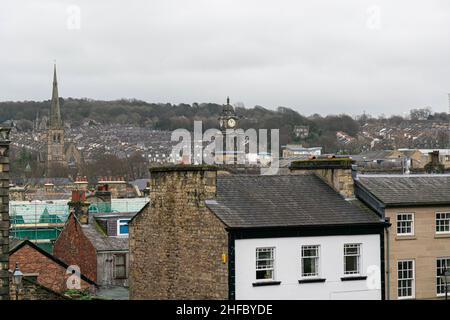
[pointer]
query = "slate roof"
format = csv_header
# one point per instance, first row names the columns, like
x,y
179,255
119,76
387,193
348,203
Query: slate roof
x,y
15,242
250,201
101,241
140,183
407,189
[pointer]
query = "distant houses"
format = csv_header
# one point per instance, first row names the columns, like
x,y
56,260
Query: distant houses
x,y
297,150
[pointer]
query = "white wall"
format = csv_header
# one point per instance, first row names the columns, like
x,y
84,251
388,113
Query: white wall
x,y
288,269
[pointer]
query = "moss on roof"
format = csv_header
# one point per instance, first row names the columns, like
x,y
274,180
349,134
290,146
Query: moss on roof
x,y
323,163
184,167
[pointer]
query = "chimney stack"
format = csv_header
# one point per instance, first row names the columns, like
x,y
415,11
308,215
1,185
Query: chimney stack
x,y
81,183
176,187
79,207
339,173
104,196
434,158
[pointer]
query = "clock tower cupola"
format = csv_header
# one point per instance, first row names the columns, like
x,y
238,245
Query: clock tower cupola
x,y
228,118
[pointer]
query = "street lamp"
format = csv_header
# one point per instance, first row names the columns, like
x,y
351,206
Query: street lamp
x,y
17,279
445,278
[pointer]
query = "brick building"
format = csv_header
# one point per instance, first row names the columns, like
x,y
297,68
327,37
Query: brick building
x,y
48,271
98,244
33,290
4,213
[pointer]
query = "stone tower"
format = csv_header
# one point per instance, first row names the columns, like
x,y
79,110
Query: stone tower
x,y
55,135
227,150
4,215
228,118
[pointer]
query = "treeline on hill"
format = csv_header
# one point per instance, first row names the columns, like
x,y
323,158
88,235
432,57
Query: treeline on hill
x,y
161,116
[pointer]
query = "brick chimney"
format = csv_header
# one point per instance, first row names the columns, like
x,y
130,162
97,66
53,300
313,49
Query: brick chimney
x,y
434,158
4,213
79,206
49,187
81,183
337,172
104,194
116,185
146,191
434,166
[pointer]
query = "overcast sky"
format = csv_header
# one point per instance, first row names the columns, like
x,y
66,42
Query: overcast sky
x,y
323,56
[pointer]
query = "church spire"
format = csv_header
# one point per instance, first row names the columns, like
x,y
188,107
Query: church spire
x,y
55,113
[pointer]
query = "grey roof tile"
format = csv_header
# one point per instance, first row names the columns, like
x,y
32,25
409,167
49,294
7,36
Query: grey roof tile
x,y
102,242
247,201
408,189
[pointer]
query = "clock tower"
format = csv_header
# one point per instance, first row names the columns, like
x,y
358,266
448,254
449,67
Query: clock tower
x,y
228,118
227,152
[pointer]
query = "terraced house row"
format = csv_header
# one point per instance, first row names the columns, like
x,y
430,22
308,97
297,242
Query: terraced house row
x,y
322,231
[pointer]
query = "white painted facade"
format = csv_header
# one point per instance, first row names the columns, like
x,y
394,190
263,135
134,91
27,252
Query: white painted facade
x,y
287,264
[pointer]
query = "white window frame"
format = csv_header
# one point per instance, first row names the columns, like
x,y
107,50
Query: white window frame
x,y
436,222
413,280
412,224
307,247
358,255
438,278
119,224
272,249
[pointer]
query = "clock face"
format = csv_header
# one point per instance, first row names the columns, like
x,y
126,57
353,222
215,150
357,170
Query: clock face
x,y
231,123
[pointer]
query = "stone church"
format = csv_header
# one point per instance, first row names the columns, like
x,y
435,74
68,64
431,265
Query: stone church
x,y
61,154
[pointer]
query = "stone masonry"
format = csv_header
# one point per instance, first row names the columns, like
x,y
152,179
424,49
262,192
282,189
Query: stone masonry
x,y
4,215
336,172
178,247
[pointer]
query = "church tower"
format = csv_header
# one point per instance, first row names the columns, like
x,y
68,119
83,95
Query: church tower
x,y
55,134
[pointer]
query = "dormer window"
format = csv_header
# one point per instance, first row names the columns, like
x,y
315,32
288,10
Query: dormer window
x,y
122,227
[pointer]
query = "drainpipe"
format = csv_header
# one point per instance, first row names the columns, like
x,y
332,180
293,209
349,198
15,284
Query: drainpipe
x,y
388,274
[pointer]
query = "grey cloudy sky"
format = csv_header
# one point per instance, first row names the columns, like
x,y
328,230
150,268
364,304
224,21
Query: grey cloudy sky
x,y
323,56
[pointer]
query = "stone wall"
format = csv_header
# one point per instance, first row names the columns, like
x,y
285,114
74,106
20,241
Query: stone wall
x,y
340,179
424,247
32,290
4,214
336,172
176,243
74,248
49,273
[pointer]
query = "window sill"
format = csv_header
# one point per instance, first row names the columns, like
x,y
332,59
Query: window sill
x,y
266,283
311,280
405,238
441,235
353,278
